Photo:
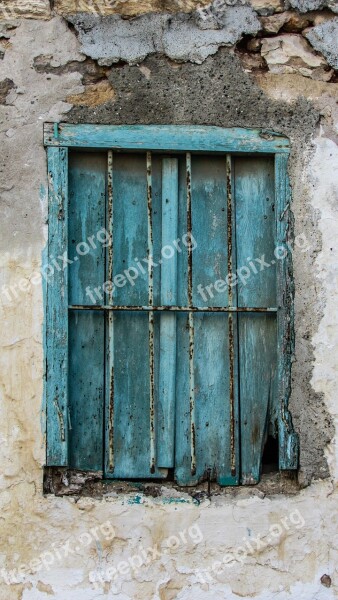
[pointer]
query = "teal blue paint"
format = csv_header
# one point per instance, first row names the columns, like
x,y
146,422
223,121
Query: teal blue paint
x,y
173,500
135,500
211,334
288,439
255,235
87,199
165,137
167,351
132,449
57,311
77,400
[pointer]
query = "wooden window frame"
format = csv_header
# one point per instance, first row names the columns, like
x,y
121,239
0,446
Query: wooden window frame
x,y
58,138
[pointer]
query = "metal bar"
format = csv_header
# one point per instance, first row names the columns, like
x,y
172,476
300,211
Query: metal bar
x,y
190,323
230,318
151,314
110,322
188,309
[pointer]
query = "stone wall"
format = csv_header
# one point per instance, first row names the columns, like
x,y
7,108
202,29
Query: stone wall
x,y
264,63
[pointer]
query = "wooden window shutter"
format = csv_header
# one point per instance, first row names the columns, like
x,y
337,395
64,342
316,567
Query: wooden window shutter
x,y
161,373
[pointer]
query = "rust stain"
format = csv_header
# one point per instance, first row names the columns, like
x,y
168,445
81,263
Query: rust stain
x,y
187,309
229,223
255,434
151,314
230,321
111,420
190,322
232,396
152,392
110,218
189,229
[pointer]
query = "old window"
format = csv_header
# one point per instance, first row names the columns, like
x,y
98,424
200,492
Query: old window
x,y
169,321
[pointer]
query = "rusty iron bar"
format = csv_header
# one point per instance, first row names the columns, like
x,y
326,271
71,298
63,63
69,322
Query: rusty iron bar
x,y
150,251
191,323
110,317
230,217
187,309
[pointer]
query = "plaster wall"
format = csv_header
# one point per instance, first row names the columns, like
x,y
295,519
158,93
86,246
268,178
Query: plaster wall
x,y
56,78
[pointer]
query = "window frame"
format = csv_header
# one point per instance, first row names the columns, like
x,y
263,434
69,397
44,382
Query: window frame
x,y
58,138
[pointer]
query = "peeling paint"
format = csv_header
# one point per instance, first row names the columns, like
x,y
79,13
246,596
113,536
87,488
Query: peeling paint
x,y
46,63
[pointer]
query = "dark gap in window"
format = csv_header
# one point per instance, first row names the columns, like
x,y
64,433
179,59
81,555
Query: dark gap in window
x,y
270,455
171,475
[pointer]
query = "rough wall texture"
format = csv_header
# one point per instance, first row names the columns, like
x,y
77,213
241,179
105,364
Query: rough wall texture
x,y
265,79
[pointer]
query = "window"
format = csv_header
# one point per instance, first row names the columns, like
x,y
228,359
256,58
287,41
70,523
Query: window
x,y
169,324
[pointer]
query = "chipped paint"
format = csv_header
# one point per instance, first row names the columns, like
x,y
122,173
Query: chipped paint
x,y
300,564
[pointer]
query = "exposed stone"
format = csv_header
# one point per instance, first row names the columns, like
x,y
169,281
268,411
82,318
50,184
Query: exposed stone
x,y
274,23
323,16
292,54
126,8
268,7
29,9
254,45
7,28
296,23
94,95
251,62
307,5
324,39
113,39
291,21
6,85
289,87
322,74
91,72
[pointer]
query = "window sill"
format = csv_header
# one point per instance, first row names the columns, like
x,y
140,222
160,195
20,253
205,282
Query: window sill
x,y
68,482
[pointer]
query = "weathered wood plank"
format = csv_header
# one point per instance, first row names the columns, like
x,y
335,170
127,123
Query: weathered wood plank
x,y
131,405
211,334
57,311
165,137
167,359
86,247
255,234
288,439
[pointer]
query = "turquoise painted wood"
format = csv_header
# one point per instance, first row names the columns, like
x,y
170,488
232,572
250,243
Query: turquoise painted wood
x,y
256,266
211,335
167,350
288,439
57,311
130,389
139,393
87,206
166,137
